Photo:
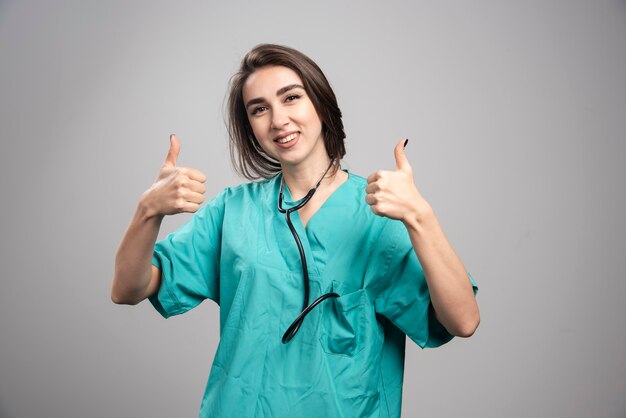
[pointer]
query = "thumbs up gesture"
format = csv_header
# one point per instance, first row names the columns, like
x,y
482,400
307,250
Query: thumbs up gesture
x,y
393,193
176,189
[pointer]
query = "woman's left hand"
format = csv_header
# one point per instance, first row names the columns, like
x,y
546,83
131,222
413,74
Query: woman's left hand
x,y
393,193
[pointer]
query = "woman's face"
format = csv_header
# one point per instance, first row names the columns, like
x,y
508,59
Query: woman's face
x,y
282,116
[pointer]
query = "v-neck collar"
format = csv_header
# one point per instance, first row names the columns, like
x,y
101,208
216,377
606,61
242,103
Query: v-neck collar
x,y
295,216
306,233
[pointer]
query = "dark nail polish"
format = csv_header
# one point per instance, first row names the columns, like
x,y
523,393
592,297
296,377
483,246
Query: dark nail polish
x,y
406,142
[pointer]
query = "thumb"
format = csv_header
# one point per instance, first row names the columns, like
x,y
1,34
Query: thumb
x,y
172,155
402,163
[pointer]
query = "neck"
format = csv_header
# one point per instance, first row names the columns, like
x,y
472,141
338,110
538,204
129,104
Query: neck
x,y
300,179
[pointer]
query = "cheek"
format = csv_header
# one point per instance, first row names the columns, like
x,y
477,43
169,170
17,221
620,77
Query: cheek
x,y
257,130
311,116
262,137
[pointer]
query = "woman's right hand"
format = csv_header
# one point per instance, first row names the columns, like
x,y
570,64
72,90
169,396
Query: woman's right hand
x,y
177,189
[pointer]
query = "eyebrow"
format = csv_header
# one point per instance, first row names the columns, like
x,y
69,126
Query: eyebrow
x,y
279,92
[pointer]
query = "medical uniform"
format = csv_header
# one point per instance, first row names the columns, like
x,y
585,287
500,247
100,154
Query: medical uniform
x,y
347,360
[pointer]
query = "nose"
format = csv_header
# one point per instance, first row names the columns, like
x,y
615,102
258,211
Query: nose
x,y
279,118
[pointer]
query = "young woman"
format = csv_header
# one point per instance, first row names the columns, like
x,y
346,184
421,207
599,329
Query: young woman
x,y
319,273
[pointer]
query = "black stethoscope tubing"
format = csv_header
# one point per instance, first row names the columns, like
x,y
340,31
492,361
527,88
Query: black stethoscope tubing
x,y
306,308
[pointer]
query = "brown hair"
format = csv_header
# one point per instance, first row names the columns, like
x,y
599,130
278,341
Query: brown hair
x,y
248,158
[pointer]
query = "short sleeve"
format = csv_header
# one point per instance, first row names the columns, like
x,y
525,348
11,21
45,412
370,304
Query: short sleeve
x,y
189,261
405,298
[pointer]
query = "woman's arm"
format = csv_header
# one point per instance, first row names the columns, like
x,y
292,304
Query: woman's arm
x,y
176,190
135,277
451,291
393,194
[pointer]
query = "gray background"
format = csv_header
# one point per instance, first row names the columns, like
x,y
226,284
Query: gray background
x,y
516,115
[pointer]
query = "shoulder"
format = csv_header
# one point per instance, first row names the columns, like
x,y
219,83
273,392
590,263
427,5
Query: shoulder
x,y
391,233
250,189
352,190
237,199
355,208
246,190
356,181
246,194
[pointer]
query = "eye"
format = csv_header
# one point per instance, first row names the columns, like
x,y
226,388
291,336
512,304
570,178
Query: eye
x,y
292,97
258,110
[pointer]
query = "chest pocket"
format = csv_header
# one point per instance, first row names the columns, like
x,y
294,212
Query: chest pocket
x,y
344,324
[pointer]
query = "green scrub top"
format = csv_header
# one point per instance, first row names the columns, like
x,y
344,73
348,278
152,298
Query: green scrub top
x,y
347,359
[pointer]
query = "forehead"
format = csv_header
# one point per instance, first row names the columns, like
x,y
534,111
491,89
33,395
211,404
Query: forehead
x,y
265,81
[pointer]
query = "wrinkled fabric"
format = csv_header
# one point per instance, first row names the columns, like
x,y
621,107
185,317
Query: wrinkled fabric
x,y
347,359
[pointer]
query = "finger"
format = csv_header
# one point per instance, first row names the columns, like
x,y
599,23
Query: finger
x,y
194,174
193,197
196,186
372,187
402,163
172,154
190,207
374,176
375,210
183,204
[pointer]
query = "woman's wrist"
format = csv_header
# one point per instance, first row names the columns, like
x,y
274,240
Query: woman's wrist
x,y
419,216
146,210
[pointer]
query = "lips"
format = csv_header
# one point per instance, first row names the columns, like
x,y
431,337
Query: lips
x,y
285,139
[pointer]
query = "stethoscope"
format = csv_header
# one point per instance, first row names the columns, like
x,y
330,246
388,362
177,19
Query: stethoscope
x,y
306,308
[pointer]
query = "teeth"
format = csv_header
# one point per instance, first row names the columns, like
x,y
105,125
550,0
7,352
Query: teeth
x,y
287,138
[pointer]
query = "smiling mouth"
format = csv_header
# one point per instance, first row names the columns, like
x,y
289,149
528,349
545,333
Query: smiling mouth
x,y
287,138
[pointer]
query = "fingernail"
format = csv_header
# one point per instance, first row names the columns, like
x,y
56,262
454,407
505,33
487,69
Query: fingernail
x,y
406,142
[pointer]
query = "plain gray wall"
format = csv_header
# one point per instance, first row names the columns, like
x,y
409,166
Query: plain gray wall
x,y
516,113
